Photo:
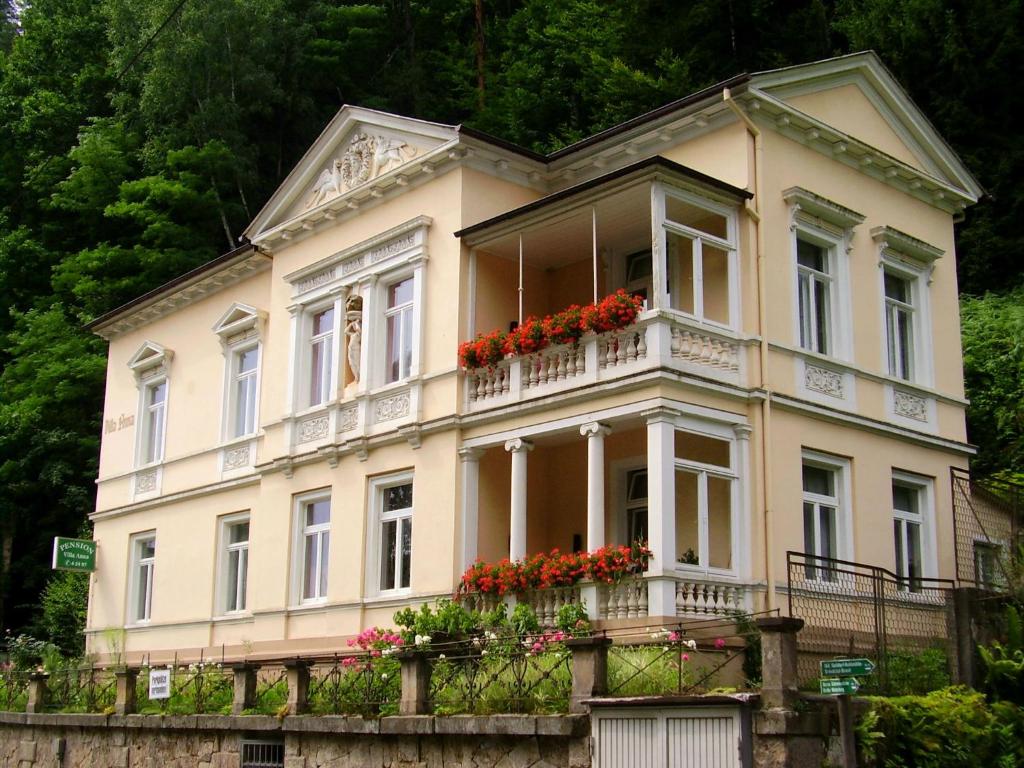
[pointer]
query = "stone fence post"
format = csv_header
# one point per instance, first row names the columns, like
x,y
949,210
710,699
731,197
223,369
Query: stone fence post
x,y
415,683
245,686
297,673
124,691
589,669
778,661
38,692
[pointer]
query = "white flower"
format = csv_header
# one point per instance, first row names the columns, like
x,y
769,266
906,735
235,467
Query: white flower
x,y
691,644
441,656
422,639
483,652
383,675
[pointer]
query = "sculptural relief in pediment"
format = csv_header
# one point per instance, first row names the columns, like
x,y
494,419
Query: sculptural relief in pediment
x,y
366,157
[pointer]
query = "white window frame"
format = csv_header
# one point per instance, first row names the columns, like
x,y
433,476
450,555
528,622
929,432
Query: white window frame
x,y
233,376
925,488
136,563
144,448
379,313
840,325
842,472
224,581
917,276
703,471
375,539
301,531
331,342
996,551
661,298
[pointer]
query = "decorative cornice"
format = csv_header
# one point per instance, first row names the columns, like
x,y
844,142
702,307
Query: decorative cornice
x,y
901,243
822,208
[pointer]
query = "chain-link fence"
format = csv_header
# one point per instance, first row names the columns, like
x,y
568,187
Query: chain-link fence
x,y
986,527
907,627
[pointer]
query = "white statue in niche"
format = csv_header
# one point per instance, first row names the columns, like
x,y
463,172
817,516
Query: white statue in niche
x,y
354,334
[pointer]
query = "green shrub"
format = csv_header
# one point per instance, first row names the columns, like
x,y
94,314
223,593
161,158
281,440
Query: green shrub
x,y
950,727
1003,664
524,620
917,672
64,603
572,618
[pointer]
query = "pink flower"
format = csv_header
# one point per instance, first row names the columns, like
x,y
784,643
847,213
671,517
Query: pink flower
x,y
348,661
685,657
720,643
673,636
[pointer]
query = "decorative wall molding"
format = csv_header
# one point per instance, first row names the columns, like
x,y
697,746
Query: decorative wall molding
x,y
237,457
313,429
824,380
348,418
146,481
366,157
909,405
392,407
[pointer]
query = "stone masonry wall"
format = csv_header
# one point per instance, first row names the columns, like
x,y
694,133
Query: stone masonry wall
x,y
212,741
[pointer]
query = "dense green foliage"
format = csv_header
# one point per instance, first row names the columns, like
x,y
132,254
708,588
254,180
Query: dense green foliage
x,y
136,143
951,727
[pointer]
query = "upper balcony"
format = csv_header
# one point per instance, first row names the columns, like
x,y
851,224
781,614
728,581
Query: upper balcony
x,y
658,230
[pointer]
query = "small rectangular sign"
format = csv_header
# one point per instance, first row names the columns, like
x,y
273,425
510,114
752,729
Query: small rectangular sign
x,y
846,667
839,686
74,554
159,684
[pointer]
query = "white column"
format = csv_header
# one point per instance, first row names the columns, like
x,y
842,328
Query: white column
x,y
595,433
470,458
661,510
517,538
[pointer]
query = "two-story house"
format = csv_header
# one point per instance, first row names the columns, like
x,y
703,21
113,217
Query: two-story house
x,y
292,449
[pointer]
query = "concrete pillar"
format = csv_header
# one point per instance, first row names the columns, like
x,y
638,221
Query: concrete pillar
x,y
125,691
517,539
297,673
778,661
245,686
595,434
964,601
589,669
38,692
415,684
470,458
661,511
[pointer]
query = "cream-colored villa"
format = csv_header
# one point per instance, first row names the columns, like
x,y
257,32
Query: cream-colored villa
x,y
291,449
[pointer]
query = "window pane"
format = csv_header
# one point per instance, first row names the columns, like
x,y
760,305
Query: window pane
x,y
247,360
904,498
903,331
406,551
245,405
715,264
707,450
818,480
158,393
142,604
318,512
309,579
822,315
827,528
389,543
323,322
394,341
638,266
810,545
897,288
806,311
406,343
690,215
811,256
400,293
719,522
234,574
238,532
636,525
325,542
687,526
398,497
897,536
317,367
914,550
680,272
243,557
637,482
147,548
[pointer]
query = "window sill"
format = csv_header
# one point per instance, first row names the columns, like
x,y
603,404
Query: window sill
x,y
388,596
317,604
236,617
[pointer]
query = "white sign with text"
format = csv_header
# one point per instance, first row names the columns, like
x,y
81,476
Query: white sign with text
x,y
159,684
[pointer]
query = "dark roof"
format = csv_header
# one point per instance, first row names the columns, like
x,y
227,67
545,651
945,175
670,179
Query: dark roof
x,y
210,266
651,162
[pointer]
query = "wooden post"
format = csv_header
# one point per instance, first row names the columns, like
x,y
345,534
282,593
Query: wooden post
x,y
589,669
245,686
297,671
846,735
415,683
38,692
125,702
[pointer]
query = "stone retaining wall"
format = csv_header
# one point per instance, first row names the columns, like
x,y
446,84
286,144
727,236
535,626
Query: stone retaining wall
x,y
214,741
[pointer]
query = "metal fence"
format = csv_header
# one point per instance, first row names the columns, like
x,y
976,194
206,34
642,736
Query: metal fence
x,y
906,626
986,528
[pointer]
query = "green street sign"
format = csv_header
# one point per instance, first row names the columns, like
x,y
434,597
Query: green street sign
x,y
845,667
839,686
74,554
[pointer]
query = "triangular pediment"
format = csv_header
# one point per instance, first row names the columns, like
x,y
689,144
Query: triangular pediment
x,y
149,356
359,148
858,96
238,318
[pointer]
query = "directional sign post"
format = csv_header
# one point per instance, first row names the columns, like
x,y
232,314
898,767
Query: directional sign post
x,y
839,686
74,554
847,667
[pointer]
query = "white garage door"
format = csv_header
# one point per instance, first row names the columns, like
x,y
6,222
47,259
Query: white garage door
x,y
680,737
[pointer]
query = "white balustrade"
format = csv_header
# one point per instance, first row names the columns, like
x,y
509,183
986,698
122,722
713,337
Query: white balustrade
x,y
703,349
625,600
566,361
703,598
617,348
489,383
547,602
478,601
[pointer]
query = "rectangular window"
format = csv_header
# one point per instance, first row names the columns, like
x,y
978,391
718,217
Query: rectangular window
x,y
907,528
315,518
705,485
398,321
821,519
636,506
235,539
395,536
899,325
143,558
814,289
986,564
321,356
244,367
153,421
699,259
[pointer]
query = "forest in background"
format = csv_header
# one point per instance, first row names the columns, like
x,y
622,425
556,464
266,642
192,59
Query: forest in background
x,y
139,137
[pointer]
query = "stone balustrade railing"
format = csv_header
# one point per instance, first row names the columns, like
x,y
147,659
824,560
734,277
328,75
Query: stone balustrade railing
x,y
704,349
547,602
566,361
709,598
625,600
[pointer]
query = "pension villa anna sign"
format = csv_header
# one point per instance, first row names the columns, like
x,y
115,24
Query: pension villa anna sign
x,y
74,554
